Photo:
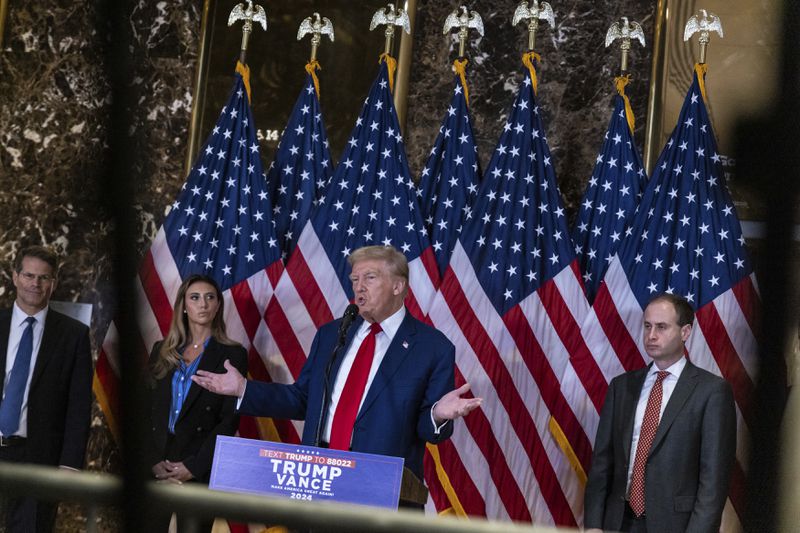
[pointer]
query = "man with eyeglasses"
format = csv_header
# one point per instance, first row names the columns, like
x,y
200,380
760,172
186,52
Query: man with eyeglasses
x,y
46,390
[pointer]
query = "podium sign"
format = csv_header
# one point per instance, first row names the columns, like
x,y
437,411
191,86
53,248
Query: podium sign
x,y
305,473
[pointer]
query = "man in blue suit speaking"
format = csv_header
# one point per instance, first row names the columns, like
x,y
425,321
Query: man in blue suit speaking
x,y
389,389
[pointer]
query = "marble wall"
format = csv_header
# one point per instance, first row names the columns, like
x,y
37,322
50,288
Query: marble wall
x,y
575,79
54,104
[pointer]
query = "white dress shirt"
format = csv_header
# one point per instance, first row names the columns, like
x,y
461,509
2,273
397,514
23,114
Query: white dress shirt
x,y
668,386
382,342
18,325
383,339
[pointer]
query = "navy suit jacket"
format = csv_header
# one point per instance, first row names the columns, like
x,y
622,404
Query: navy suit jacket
x,y
395,417
60,396
204,415
689,465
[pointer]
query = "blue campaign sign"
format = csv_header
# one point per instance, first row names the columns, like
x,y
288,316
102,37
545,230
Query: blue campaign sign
x,y
306,473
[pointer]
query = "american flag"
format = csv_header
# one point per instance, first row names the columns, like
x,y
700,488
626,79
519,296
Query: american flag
x,y
370,200
611,196
449,182
685,239
448,186
219,225
511,300
302,166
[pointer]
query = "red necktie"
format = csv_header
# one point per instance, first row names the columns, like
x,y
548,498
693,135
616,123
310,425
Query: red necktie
x,y
652,415
344,416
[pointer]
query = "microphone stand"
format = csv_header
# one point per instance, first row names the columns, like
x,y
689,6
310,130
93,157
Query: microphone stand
x,y
343,328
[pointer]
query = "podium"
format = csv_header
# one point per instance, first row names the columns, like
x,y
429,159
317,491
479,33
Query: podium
x,y
301,472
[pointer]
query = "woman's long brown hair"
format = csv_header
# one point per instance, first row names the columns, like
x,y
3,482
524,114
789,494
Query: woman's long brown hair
x,y
168,356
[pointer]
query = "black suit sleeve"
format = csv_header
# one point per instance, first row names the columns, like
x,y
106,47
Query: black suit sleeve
x,y
717,454
79,402
601,473
200,463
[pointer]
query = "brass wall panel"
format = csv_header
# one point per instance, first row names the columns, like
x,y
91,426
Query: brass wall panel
x,y
3,13
741,81
277,65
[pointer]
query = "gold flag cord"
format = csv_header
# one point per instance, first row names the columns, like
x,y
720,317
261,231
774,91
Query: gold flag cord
x,y
244,70
701,69
563,443
529,59
312,67
620,82
391,64
460,66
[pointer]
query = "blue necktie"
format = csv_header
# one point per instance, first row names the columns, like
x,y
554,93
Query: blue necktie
x,y
15,388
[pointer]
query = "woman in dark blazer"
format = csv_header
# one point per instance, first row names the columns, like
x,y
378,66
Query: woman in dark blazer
x,y
185,419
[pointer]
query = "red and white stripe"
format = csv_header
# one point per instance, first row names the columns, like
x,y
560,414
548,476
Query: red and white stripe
x,y
156,286
515,362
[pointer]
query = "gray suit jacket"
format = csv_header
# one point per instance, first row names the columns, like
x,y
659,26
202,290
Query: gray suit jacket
x,y
688,469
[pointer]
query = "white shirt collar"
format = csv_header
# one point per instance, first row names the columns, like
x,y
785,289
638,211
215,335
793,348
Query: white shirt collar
x,y
674,369
18,316
390,324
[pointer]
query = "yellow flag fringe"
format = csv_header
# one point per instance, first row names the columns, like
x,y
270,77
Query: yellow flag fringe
x,y
391,63
529,59
460,66
244,70
620,82
702,70
566,448
455,504
312,67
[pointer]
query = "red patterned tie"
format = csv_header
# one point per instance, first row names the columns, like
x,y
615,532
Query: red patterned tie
x,y
346,410
652,415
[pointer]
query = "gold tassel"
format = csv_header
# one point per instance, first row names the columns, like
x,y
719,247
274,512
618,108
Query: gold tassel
x,y
701,69
391,64
244,70
460,65
529,59
620,82
311,68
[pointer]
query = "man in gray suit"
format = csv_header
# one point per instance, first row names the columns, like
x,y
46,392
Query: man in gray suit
x,y
666,439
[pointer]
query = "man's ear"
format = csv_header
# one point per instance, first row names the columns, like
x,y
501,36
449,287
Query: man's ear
x,y
685,331
399,286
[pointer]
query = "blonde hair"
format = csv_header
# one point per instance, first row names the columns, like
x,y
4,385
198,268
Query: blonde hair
x,y
168,355
398,264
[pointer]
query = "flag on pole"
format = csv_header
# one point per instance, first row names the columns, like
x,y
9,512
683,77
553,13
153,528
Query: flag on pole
x,y
219,225
686,239
449,182
511,301
448,186
301,168
370,200
611,196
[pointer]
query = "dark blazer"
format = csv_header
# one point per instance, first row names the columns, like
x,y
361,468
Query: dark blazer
x,y
204,414
395,418
60,396
688,469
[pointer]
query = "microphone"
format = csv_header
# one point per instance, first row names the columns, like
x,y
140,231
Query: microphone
x,y
350,314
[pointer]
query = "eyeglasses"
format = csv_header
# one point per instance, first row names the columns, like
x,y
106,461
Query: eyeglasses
x,y
44,278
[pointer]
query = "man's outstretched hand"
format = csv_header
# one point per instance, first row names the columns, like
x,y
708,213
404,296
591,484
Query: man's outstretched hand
x,y
231,383
452,406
